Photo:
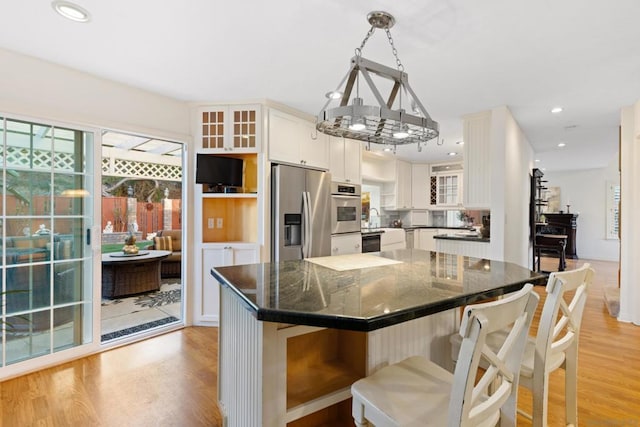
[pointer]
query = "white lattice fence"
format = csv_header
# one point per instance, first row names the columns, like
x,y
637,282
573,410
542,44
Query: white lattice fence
x,y
131,168
39,159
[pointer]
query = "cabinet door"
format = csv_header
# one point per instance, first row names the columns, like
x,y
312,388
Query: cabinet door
x,y
314,146
220,256
345,157
403,185
346,244
248,254
426,240
449,189
212,127
237,128
284,145
337,159
244,128
217,256
352,161
420,186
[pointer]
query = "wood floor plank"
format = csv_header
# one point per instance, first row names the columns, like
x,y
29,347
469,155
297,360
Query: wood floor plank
x,y
171,380
168,380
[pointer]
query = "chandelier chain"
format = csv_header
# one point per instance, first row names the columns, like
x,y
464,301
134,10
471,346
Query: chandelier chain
x,y
364,41
394,50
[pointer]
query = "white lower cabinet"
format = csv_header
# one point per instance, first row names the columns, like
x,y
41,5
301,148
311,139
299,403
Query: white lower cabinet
x,y
220,255
423,238
342,244
464,248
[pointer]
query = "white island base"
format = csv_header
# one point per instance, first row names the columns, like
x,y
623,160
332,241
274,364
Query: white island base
x,y
275,375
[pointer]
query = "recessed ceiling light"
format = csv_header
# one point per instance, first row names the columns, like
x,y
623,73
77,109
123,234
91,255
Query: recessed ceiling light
x,y
537,160
460,143
562,144
451,154
556,110
71,11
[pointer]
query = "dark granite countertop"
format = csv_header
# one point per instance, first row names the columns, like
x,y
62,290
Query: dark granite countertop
x,y
364,299
464,238
416,227
371,231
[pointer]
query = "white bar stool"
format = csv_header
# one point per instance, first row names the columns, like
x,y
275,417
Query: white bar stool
x,y
417,392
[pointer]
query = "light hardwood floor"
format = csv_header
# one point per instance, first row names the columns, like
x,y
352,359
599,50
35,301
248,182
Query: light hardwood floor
x,y
171,380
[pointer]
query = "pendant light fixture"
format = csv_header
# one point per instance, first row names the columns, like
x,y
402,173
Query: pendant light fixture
x,y
386,121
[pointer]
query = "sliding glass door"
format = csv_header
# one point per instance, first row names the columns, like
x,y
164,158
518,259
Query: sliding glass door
x,y
46,216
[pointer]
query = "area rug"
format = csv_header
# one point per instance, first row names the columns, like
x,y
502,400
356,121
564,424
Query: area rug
x,y
125,316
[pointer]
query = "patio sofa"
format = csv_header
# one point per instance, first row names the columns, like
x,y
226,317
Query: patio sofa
x,y
169,240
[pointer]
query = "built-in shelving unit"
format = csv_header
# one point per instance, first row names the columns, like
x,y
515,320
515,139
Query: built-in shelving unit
x,y
228,225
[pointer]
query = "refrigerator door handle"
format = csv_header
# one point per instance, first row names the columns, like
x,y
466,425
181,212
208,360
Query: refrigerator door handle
x,y
306,214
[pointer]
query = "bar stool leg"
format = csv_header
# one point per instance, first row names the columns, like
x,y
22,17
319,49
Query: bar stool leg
x,y
571,386
563,262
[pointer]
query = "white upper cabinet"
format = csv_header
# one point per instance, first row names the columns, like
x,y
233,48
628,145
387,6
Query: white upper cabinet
x,y
396,195
477,160
230,128
420,186
403,185
447,185
296,141
346,160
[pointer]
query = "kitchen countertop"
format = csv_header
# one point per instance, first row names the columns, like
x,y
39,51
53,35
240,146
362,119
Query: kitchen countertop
x,y
453,236
416,227
406,284
371,231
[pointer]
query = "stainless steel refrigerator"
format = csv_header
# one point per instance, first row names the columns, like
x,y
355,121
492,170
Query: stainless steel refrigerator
x,y
300,213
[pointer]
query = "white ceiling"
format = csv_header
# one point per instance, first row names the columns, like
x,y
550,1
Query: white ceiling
x,y
462,56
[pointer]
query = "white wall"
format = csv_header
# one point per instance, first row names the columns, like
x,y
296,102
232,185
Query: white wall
x,y
586,191
511,163
37,88
630,237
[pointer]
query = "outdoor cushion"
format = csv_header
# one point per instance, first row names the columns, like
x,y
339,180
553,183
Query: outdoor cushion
x,y
162,243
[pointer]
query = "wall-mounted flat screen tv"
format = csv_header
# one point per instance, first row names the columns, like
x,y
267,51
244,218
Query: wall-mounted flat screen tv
x,y
221,174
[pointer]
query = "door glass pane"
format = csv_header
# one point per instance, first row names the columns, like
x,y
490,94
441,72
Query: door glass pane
x,y
46,208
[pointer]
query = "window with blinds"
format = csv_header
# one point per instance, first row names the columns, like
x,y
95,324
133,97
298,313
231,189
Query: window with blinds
x,y
613,210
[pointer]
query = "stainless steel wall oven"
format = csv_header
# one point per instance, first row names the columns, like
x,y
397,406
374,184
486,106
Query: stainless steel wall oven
x,y
346,208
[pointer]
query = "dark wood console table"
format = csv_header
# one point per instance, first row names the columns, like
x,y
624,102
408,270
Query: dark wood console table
x,y
561,224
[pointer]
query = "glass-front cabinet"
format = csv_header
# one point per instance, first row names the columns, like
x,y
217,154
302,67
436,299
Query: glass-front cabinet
x,y
446,184
45,255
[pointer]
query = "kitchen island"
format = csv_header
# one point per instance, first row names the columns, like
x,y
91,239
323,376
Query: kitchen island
x,y
295,335
463,243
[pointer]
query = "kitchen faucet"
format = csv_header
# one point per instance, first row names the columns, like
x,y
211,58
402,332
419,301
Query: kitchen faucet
x,y
377,214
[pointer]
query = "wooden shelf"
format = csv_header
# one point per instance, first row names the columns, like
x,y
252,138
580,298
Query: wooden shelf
x,y
229,195
338,415
323,362
239,216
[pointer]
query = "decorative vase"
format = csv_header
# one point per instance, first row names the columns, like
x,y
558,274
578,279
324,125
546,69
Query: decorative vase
x,y
130,247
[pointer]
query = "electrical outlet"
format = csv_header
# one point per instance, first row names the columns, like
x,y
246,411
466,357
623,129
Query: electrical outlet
x,y
219,223
210,222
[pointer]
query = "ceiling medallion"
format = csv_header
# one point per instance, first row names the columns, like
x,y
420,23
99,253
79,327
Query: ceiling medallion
x,y
386,121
